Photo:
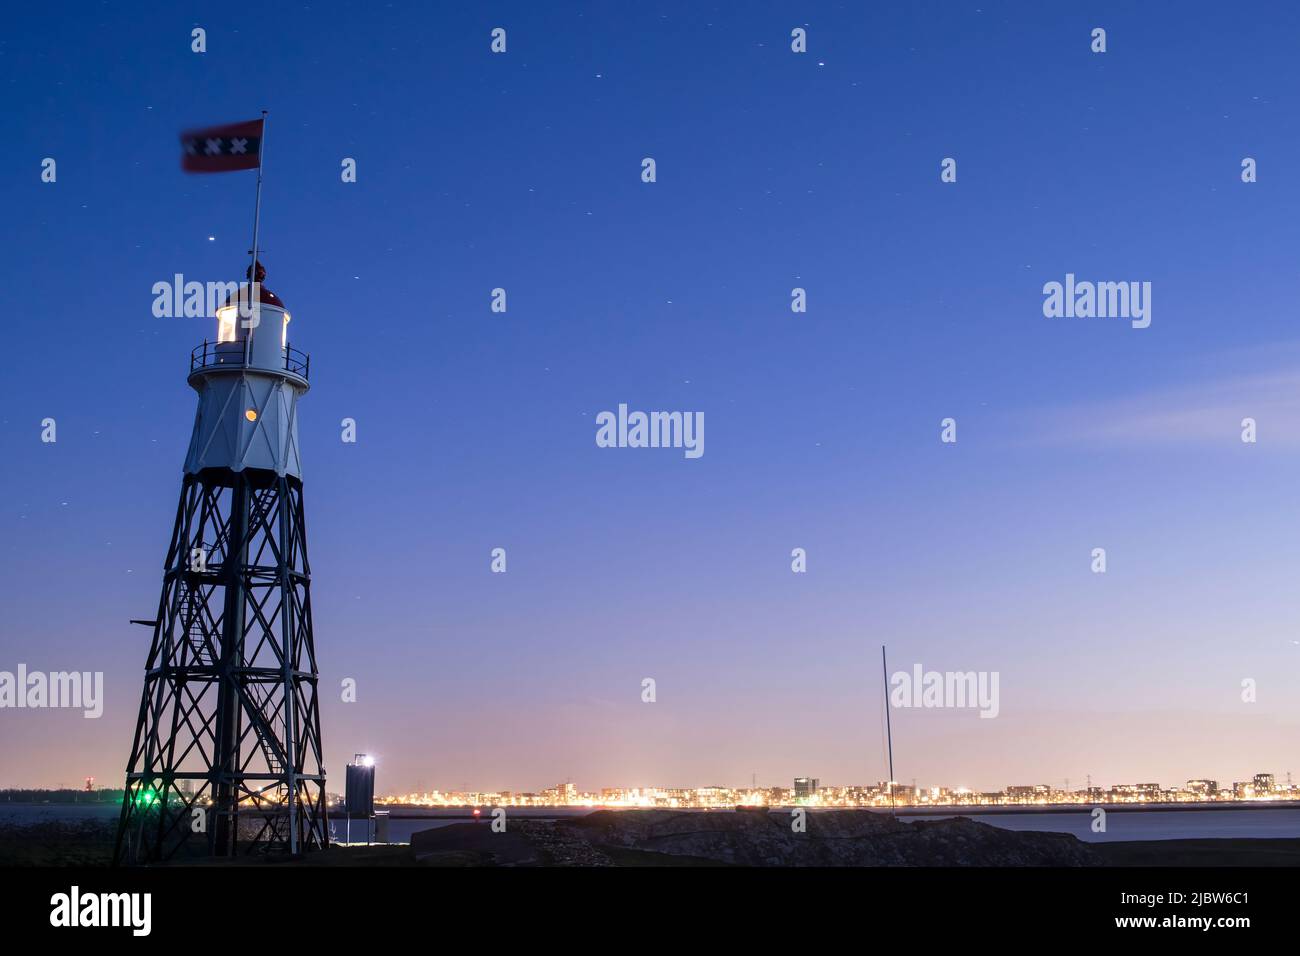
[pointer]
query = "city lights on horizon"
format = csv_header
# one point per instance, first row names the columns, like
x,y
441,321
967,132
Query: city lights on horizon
x,y
808,792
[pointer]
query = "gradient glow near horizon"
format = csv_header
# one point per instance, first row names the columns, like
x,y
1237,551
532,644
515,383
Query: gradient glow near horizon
x,y
475,430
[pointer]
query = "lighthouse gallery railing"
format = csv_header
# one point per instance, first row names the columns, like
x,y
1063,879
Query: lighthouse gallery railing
x,y
207,355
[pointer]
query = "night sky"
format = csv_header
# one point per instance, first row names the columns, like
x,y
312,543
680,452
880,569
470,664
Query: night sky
x,y
475,429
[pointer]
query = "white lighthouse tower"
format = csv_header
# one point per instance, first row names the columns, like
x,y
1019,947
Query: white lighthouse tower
x,y
229,726
249,382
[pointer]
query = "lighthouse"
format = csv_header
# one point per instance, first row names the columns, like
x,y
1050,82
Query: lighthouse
x,y
227,755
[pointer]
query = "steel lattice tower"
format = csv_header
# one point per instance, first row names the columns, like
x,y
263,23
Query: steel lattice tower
x,y
227,755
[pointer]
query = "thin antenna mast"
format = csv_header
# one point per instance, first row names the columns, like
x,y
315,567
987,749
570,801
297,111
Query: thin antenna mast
x,y
889,730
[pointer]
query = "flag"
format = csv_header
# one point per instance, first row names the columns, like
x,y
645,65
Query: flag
x,y
222,149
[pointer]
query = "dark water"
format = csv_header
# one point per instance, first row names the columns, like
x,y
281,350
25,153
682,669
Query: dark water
x,y
403,822
1144,824
25,814
400,830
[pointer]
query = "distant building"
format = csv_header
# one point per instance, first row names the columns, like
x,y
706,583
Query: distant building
x,y
805,787
713,796
561,795
1029,793
1203,788
1264,784
1136,791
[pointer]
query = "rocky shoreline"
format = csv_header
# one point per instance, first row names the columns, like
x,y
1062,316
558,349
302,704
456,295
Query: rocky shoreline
x,y
750,838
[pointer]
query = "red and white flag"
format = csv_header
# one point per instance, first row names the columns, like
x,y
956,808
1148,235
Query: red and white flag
x,y
222,149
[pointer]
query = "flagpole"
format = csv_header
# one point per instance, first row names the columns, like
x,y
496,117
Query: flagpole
x,y
255,307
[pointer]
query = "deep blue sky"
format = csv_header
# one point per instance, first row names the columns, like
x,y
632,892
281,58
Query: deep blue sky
x,y
476,430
